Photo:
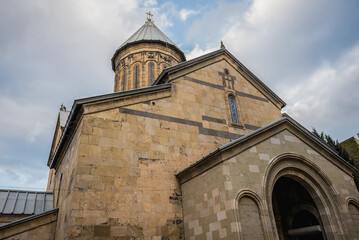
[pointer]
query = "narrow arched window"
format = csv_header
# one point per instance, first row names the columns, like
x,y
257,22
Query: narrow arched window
x,y
124,80
233,108
151,73
116,83
136,76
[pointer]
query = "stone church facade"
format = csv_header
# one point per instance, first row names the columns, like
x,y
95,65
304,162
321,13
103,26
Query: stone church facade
x,y
195,149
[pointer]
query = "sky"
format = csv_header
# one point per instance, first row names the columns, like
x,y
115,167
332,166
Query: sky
x,y
52,52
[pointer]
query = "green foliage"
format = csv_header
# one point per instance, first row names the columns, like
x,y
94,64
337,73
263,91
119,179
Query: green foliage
x,y
334,144
352,147
341,150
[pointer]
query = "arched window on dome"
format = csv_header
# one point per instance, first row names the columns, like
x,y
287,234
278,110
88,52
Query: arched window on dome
x,y
233,108
124,80
151,73
136,76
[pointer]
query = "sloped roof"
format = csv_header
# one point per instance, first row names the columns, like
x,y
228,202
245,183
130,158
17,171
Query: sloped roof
x,y
149,32
286,119
183,65
26,220
25,202
76,110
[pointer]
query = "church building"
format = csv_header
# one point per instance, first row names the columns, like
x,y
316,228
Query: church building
x,y
185,149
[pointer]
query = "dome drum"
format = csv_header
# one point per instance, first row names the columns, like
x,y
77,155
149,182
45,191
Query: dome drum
x,y
141,59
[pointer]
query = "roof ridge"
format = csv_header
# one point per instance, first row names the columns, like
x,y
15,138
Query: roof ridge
x,y
27,219
285,118
211,54
147,32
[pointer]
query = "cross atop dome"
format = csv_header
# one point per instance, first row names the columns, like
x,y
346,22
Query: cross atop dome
x,y
149,16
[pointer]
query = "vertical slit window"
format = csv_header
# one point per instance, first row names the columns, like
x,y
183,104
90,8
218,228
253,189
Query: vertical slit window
x,y
115,89
136,76
124,80
151,73
234,109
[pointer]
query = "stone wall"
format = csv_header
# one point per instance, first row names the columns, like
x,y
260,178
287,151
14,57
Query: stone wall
x,y
65,178
41,227
216,200
7,218
120,182
142,55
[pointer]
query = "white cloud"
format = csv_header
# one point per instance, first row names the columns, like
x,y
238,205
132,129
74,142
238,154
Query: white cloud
x,y
149,3
23,119
52,52
329,98
300,50
197,51
56,51
23,176
185,13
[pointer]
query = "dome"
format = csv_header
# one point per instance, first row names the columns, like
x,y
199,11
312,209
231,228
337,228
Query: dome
x,y
148,33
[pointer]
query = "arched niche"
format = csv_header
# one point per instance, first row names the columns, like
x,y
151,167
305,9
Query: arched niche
x,y
315,182
249,216
353,209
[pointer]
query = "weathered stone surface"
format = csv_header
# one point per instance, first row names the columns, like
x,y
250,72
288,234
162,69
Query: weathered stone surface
x,y
212,210
39,228
115,178
122,161
102,231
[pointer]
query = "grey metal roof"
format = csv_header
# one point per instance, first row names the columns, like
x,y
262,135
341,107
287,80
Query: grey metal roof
x,y
148,31
25,202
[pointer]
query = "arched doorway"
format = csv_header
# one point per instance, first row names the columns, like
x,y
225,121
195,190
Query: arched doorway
x,y
295,212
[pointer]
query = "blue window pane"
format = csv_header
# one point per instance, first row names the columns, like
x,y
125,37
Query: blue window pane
x,y
136,76
233,108
124,80
151,66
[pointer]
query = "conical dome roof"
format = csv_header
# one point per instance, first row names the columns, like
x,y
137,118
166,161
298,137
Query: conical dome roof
x,y
149,32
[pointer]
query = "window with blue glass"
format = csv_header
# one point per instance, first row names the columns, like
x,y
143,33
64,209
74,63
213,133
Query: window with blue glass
x,y
151,73
136,76
124,80
233,108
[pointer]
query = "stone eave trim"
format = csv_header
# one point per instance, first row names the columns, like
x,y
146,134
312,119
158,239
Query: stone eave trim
x,y
173,47
57,128
170,70
77,111
199,166
27,219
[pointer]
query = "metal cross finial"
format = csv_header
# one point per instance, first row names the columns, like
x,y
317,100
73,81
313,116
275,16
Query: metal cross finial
x,y
149,16
62,108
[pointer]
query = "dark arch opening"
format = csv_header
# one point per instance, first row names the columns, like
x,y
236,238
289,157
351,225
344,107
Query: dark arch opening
x,y
296,214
